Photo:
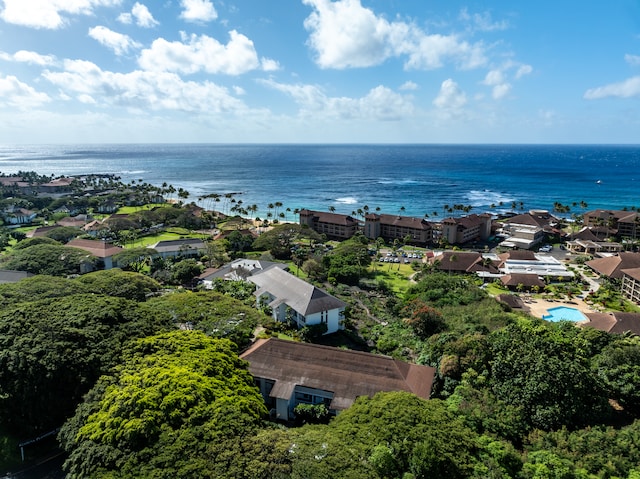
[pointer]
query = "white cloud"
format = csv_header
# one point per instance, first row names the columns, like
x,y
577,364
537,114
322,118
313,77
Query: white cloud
x,y
16,94
32,58
496,80
142,15
380,103
625,89
344,34
49,14
450,97
119,43
483,21
269,65
632,59
202,53
141,90
523,70
409,85
198,11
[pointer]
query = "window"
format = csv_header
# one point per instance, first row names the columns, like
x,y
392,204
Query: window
x,y
324,317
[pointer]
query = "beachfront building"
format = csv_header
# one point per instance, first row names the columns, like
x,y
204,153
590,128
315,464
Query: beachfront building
x,y
289,373
631,284
333,225
392,227
621,223
527,230
466,229
294,300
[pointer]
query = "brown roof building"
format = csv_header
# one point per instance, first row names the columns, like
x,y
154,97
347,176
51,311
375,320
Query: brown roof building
x,y
631,284
462,262
100,249
466,229
391,227
289,373
333,225
612,266
616,322
526,281
616,222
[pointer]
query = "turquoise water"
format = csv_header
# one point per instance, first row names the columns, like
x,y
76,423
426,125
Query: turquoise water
x,y
399,179
564,313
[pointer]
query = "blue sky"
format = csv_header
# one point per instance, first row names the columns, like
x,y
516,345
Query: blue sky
x,y
319,71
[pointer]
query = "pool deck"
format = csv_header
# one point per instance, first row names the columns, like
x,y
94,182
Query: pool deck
x,y
538,307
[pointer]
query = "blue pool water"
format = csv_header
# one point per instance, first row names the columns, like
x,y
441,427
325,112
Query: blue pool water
x,y
564,313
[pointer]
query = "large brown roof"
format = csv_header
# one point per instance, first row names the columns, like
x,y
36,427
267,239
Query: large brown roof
x,y
404,221
332,218
100,249
463,261
612,266
527,280
633,273
518,255
616,322
348,374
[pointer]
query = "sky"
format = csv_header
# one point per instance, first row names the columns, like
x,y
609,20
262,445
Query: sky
x,y
319,71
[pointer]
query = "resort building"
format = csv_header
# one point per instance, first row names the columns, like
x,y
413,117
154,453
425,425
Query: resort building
x,y
631,284
528,262
616,322
466,229
289,373
621,223
612,266
333,225
585,241
464,262
294,300
392,227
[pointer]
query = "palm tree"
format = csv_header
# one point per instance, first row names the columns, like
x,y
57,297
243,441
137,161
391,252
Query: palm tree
x,y
332,209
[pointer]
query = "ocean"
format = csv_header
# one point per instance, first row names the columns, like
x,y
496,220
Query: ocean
x,y
411,180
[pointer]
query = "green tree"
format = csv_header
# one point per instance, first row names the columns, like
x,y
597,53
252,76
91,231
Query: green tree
x,y
51,259
123,284
543,369
175,397
53,350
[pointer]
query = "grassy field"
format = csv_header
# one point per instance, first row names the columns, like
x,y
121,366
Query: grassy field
x,y
396,275
127,210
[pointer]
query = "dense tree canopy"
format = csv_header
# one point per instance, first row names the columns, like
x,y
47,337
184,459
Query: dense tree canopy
x,y
123,284
53,350
281,238
212,312
163,412
544,370
51,259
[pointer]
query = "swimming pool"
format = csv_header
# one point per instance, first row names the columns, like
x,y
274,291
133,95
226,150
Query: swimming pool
x,y
564,313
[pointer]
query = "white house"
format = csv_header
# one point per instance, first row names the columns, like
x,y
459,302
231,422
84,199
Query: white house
x,y
292,299
185,247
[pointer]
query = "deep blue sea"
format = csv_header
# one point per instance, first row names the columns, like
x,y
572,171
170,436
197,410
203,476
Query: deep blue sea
x,y
419,178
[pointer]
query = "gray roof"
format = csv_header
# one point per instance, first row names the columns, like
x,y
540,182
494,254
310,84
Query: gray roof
x,y
240,269
299,295
10,276
176,245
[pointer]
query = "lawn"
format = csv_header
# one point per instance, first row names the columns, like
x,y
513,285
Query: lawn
x,y
127,210
396,275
